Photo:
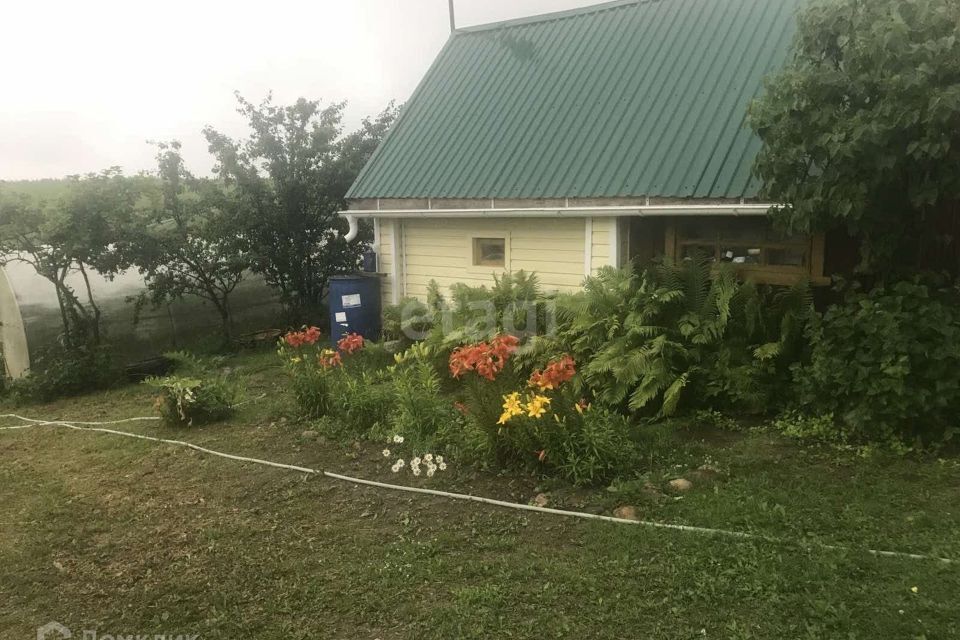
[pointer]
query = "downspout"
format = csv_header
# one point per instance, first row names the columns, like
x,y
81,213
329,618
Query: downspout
x,y
354,228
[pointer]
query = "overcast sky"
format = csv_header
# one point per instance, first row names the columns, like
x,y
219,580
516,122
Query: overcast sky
x,y
85,84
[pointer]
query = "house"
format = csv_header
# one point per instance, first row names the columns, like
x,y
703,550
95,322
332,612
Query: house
x,y
564,142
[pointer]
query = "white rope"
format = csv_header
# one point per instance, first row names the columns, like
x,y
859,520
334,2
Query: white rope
x,y
447,494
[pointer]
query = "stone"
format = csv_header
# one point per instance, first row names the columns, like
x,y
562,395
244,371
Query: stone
x,y
626,512
680,485
309,435
541,500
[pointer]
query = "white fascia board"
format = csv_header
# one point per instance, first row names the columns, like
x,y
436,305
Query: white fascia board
x,y
572,212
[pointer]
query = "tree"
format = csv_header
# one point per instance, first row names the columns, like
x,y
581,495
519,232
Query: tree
x,y
187,244
862,127
290,176
71,235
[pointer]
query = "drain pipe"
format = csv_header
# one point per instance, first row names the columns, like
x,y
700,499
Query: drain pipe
x,y
354,228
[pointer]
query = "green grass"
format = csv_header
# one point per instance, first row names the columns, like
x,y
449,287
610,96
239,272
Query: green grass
x,y
125,536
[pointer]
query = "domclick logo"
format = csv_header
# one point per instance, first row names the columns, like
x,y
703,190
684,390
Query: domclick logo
x,y
477,318
53,630
56,631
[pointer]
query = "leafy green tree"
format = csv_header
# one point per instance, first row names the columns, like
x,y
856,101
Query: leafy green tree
x,y
70,235
291,175
862,126
187,244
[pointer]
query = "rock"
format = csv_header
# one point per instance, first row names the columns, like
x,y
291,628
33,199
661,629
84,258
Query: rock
x,y
680,485
541,500
309,435
626,512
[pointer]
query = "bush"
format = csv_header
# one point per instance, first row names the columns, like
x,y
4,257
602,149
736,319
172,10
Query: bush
x,y
184,401
539,421
59,372
406,321
687,334
424,416
886,364
314,369
590,447
513,305
802,426
362,400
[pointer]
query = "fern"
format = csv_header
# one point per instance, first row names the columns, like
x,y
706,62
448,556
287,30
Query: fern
x,y
681,334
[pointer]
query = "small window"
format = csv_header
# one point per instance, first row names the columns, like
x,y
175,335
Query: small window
x,y
489,252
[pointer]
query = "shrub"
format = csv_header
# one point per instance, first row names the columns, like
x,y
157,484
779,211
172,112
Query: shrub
x,y
421,414
362,400
313,368
514,305
61,372
886,364
540,422
590,447
406,321
184,401
687,333
817,428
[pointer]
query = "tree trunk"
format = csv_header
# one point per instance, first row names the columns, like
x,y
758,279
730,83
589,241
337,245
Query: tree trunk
x,y
93,305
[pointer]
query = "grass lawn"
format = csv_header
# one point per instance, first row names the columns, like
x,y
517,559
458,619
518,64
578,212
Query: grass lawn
x,y
125,536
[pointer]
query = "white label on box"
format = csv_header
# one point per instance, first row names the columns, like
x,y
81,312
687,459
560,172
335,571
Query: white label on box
x,y
340,316
349,301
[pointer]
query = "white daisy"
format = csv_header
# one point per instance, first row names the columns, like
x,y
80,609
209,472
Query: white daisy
x,y
442,466
439,459
428,457
386,453
399,464
398,439
415,470
431,471
415,462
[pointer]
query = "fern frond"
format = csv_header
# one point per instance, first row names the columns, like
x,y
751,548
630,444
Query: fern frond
x,y
671,397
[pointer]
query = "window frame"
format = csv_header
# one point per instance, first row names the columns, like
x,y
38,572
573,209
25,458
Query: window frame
x,y
487,234
759,273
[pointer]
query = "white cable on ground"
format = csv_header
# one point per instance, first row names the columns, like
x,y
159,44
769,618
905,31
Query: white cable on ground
x,y
445,494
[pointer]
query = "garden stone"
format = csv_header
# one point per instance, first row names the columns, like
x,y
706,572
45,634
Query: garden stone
x,y
541,500
680,484
626,512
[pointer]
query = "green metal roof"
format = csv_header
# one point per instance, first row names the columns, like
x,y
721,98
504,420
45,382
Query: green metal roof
x,y
627,98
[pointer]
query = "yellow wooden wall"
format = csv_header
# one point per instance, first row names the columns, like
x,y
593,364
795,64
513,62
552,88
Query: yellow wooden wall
x,y
440,249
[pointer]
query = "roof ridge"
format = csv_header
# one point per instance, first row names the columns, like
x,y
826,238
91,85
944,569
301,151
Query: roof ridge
x,y
553,15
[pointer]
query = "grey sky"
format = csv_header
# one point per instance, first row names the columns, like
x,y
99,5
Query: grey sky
x,y
85,84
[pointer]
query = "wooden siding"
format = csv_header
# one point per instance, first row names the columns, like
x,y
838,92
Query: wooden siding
x,y
438,249
600,255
